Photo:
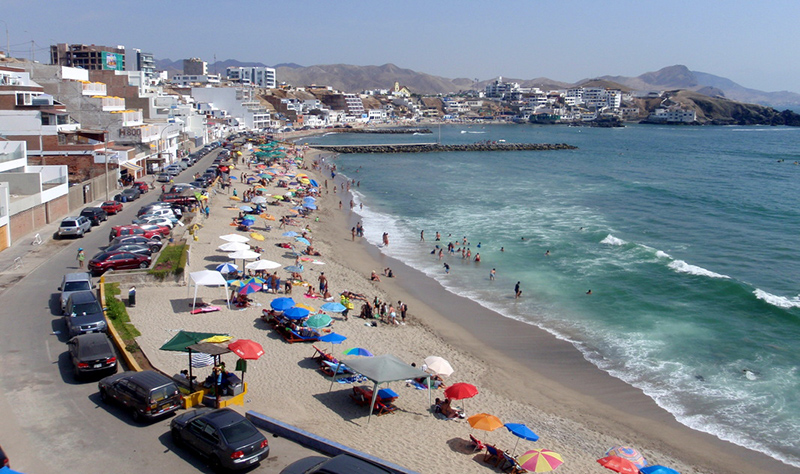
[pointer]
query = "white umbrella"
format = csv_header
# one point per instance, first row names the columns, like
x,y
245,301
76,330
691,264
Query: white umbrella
x,y
244,254
233,247
262,265
234,238
259,200
438,366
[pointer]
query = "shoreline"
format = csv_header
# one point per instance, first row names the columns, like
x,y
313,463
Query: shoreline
x,y
571,386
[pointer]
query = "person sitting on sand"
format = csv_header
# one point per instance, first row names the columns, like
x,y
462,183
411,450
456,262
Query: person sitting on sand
x,y
449,411
327,295
310,251
374,276
310,293
287,287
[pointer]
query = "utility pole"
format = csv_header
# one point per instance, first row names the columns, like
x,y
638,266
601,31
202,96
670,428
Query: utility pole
x,y
33,58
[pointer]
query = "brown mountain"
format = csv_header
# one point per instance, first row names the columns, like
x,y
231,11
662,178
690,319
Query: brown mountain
x,y
351,78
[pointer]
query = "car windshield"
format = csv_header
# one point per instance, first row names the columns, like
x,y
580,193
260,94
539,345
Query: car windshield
x,y
77,286
102,256
238,431
82,309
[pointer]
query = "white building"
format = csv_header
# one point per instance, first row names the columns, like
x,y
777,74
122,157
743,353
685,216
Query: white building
x,y
243,111
187,80
673,116
252,75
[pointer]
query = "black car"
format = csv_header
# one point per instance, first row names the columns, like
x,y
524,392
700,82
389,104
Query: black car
x,y
130,194
153,244
92,354
146,394
341,464
199,183
84,314
224,437
95,215
137,249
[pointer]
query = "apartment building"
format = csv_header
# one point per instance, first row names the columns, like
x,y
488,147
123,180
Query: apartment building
x,y
89,57
255,76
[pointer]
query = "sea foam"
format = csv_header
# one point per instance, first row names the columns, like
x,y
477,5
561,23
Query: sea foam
x,y
682,267
779,301
611,240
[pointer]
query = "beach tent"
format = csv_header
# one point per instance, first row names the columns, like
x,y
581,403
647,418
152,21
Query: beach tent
x,y
187,341
207,278
382,369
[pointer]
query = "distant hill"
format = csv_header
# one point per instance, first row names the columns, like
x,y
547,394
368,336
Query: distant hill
x,y
680,77
351,78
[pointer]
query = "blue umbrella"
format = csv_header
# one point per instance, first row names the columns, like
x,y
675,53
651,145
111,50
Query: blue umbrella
x,y
8,470
233,177
333,338
657,469
294,268
309,199
227,268
248,222
296,313
313,183
249,288
282,304
291,233
302,240
358,351
246,208
309,206
333,307
521,431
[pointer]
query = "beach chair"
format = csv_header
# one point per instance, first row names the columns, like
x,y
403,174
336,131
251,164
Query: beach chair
x,y
383,408
509,464
361,396
476,444
493,454
319,354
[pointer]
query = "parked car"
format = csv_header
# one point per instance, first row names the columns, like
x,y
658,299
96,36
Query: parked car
x,y
180,187
164,178
72,282
183,164
75,226
127,195
84,314
105,261
341,464
92,354
125,230
141,186
138,249
149,219
96,215
227,439
111,207
152,206
146,394
199,183
167,212
153,244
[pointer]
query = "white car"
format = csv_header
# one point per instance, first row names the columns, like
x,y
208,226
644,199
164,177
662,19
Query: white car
x,y
159,221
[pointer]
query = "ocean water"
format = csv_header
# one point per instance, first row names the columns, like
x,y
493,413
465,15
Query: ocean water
x,y
686,236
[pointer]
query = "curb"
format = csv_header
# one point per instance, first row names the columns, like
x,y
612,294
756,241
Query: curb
x,y
114,335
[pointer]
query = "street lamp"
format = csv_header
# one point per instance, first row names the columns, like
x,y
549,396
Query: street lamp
x,y
8,46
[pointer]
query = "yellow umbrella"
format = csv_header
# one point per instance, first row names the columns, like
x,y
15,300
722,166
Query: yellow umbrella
x,y
268,217
217,339
235,284
305,306
305,181
257,236
278,197
235,198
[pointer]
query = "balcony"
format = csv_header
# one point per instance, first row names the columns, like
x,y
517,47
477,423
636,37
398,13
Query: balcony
x,y
111,104
129,118
93,88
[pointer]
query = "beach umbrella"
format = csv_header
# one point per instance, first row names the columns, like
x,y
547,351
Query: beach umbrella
x,y
235,283
262,265
485,422
259,200
250,288
296,313
256,236
233,178
438,366
333,307
629,453
302,240
310,206
281,304
291,233
234,247
313,183
358,351
521,432
235,198
618,464
309,199
246,208
461,391
227,268
305,306
246,349
294,268
333,338
540,460
244,254
319,321
234,238
248,221
657,469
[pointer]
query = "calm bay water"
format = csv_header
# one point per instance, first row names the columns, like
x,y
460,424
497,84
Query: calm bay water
x,y
687,237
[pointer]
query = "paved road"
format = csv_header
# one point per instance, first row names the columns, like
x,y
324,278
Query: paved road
x,y
49,423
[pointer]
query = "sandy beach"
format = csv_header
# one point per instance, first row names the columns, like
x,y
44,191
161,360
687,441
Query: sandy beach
x,y
523,374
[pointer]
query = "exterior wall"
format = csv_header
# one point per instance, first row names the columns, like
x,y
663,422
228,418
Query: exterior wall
x,y
27,221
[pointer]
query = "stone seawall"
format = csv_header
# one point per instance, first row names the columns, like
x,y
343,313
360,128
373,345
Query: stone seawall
x,y
384,131
433,147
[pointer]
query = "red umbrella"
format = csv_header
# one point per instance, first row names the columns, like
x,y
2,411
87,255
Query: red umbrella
x,y
460,391
246,349
618,464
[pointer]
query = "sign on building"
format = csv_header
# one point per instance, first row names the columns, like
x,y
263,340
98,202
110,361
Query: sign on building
x,y
112,61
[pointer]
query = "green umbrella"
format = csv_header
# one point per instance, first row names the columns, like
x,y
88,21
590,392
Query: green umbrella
x,y
318,321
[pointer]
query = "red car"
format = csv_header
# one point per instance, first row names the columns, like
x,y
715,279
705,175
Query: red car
x,y
128,230
142,187
111,207
104,261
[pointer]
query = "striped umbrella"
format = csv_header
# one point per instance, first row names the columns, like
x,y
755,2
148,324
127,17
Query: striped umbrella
x,y
540,460
358,351
250,288
227,268
629,453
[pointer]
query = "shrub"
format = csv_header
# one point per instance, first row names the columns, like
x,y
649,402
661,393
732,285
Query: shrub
x,y
171,261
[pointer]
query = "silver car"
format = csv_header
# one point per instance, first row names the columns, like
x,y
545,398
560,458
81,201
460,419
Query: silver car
x,y
76,226
72,282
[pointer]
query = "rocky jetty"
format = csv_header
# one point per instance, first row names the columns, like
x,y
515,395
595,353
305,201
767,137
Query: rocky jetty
x,y
433,147
385,131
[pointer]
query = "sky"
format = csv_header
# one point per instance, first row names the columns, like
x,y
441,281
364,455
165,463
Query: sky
x,y
752,43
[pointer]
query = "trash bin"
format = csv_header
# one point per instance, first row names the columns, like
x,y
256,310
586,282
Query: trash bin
x,y
132,296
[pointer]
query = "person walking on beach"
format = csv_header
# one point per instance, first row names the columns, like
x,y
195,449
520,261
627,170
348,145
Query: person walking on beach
x,y
403,310
323,283
353,232
517,291
492,274
446,268
80,257
385,239
422,236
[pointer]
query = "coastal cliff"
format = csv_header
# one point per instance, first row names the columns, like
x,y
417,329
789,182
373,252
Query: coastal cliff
x,y
721,111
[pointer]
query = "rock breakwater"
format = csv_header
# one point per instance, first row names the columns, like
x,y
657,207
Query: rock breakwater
x,y
434,147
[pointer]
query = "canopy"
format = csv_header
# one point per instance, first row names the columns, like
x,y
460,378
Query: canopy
x,y
207,278
382,369
180,342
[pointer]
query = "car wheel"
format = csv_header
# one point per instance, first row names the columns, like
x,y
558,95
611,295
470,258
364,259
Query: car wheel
x,y
143,265
215,464
154,249
104,396
80,233
135,415
176,437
